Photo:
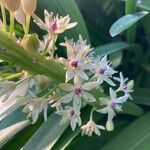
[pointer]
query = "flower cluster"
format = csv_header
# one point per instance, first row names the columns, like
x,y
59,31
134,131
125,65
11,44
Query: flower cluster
x,y
84,77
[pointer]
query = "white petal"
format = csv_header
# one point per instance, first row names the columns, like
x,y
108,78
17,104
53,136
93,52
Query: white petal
x,y
104,101
35,115
71,25
83,75
109,81
90,85
73,124
66,87
69,75
112,94
121,99
67,98
88,97
77,103
103,110
96,131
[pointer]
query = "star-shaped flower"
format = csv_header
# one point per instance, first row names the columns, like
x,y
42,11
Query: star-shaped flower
x,y
125,85
54,24
103,71
70,115
77,92
77,61
111,104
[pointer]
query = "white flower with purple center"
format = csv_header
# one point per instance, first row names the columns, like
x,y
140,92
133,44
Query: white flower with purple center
x,y
78,92
77,61
125,85
91,127
71,115
103,71
54,24
111,104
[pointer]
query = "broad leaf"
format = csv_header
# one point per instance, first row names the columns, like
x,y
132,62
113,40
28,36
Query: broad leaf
x,y
125,22
111,48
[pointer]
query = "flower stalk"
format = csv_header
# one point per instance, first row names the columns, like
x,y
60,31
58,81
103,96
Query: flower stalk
x,y
4,16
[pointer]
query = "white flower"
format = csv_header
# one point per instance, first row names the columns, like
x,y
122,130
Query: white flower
x,y
91,127
125,86
77,61
113,103
34,106
104,71
70,115
54,25
77,92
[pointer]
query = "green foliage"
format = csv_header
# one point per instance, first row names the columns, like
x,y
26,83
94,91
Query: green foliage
x,y
132,126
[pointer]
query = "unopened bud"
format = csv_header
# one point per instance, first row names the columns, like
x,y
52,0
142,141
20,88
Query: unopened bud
x,y
109,126
41,81
20,16
31,43
29,6
12,5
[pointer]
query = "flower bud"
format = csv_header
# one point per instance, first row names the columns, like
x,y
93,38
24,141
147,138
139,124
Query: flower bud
x,y
20,16
31,43
12,5
109,126
41,81
29,6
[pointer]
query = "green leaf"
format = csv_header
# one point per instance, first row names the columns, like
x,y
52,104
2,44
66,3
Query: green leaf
x,y
142,96
125,22
12,125
111,48
144,5
135,137
47,135
65,7
131,109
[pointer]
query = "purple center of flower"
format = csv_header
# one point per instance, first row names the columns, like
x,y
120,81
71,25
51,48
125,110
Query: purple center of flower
x,y
77,91
125,86
113,105
74,63
72,113
101,71
53,26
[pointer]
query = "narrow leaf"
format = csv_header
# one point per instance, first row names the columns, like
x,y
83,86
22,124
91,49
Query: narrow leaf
x,y
47,135
139,133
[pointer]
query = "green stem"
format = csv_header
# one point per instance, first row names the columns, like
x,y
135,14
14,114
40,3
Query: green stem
x,y
91,114
4,16
46,46
28,19
53,46
12,21
131,9
14,76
